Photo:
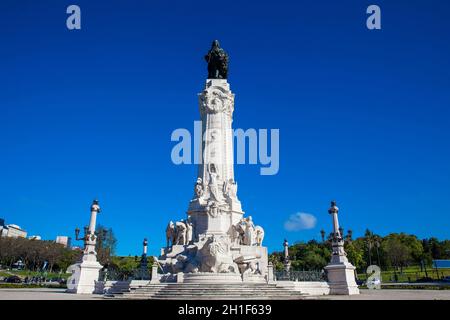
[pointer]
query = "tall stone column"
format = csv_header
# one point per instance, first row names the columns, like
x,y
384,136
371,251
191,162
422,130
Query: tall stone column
x,y
95,209
90,239
215,206
340,272
85,274
145,244
287,261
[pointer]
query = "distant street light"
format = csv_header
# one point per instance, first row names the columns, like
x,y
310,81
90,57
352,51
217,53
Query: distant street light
x,y
322,233
349,235
77,233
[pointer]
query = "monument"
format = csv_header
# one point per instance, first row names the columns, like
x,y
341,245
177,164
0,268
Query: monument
x,y
216,251
86,272
286,258
215,243
340,272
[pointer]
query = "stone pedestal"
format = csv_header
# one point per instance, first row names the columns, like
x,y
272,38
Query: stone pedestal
x,y
270,278
154,278
341,279
84,277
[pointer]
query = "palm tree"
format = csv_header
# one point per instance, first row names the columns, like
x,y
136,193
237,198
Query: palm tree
x,y
377,241
369,235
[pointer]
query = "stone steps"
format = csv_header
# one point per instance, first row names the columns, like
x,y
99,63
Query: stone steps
x,y
181,291
225,297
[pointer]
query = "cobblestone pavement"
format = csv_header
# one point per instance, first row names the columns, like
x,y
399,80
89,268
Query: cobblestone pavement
x,y
387,294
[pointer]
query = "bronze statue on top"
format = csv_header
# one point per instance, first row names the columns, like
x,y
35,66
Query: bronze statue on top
x,y
217,60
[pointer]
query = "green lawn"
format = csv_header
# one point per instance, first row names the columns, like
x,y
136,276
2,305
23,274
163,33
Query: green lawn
x,y
21,286
27,273
412,274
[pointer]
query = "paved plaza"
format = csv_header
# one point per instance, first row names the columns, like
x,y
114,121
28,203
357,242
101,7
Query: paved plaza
x,y
389,294
43,294
392,294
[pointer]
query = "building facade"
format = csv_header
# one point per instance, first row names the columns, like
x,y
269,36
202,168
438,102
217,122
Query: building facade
x,y
11,230
64,240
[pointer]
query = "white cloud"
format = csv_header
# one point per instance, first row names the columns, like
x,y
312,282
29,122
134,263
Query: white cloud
x,y
300,221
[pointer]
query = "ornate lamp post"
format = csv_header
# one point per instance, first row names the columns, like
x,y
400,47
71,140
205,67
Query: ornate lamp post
x,y
143,269
77,233
349,235
333,211
322,233
90,236
86,272
340,272
144,254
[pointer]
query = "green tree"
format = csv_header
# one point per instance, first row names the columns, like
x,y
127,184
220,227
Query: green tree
x,y
277,260
106,244
314,260
355,254
304,256
372,244
398,254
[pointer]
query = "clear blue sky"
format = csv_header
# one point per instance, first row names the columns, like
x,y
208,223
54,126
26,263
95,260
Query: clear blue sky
x,y
363,115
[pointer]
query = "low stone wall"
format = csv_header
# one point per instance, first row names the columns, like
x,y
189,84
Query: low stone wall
x,y
312,288
209,277
111,287
114,287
